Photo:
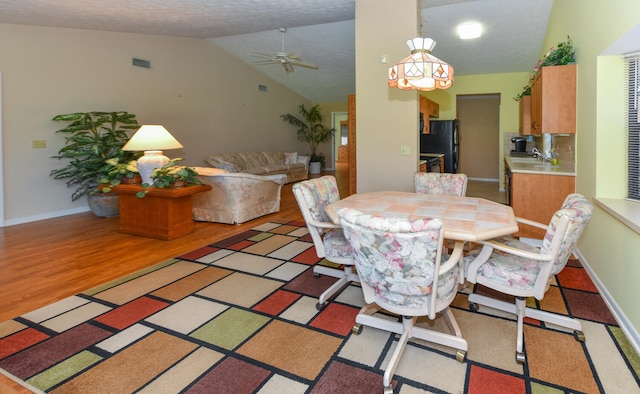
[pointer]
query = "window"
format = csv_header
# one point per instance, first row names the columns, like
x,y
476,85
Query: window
x,y
632,88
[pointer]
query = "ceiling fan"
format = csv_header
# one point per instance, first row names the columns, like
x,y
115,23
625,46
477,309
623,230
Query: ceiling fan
x,y
287,60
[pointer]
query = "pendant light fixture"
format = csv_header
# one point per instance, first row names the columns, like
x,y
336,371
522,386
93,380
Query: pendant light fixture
x,y
421,70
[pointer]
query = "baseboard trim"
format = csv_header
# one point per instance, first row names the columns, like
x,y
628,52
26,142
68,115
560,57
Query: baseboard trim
x,y
485,180
626,326
50,215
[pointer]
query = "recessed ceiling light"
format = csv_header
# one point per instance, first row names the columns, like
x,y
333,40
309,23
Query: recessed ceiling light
x,y
469,30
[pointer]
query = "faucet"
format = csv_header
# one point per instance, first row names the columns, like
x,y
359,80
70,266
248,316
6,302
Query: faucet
x,y
537,153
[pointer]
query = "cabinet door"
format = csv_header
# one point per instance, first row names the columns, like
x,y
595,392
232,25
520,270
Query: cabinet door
x,y
553,95
537,197
424,114
525,115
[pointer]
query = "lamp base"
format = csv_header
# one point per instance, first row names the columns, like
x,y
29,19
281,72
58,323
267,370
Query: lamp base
x,y
151,160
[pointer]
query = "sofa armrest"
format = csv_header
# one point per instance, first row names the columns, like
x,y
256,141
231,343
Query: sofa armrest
x,y
304,160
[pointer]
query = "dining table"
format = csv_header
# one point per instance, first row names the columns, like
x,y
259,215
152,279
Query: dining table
x,y
468,219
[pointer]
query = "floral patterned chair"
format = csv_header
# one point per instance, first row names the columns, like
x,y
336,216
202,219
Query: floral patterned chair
x,y
400,263
520,269
440,183
313,196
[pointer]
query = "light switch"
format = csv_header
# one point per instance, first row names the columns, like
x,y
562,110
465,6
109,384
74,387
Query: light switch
x,y
404,150
38,144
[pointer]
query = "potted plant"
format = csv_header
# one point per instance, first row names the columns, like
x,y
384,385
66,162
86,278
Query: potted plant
x,y
312,131
172,175
92,138
116,172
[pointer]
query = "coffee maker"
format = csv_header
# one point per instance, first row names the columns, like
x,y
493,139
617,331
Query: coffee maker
x,y
520,145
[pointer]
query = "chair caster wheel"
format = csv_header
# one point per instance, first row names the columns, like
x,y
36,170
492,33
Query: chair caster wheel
x,y
388,390
461,356
356,329
520,359
579,336
320,306
473,307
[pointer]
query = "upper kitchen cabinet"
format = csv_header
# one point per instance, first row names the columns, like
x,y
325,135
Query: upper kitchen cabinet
x,y
525,115
553,100
428,109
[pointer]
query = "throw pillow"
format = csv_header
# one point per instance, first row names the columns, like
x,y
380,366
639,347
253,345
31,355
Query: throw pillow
x,y
290,158
227,166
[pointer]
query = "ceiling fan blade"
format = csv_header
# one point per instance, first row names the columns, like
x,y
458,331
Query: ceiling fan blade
x,y
263,55
261,62
306,65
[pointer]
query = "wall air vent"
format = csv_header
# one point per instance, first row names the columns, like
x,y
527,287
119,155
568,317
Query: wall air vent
x,y
141,63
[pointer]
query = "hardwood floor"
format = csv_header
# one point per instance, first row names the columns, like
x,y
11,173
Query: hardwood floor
x,y
46,261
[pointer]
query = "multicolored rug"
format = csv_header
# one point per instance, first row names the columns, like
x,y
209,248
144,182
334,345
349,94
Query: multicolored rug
x,y
239,316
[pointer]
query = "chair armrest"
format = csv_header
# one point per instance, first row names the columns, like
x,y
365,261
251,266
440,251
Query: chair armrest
x,y
532,223
328,225
454,258
516,252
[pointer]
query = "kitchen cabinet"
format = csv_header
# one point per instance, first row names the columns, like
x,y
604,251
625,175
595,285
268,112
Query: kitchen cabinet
x,y
525,115
428,109
553,100
537,197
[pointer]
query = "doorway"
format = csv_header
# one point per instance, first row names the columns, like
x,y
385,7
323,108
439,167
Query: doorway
x,y
340,137
479,133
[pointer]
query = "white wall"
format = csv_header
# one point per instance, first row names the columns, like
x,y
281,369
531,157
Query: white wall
x,y
205,97
385,118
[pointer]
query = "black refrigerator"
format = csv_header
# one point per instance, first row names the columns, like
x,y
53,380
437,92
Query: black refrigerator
x,y
443,139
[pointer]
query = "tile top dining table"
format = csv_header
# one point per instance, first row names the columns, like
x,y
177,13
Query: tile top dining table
x,y
464,218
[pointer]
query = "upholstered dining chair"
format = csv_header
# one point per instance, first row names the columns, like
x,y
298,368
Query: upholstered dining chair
x,y
521,269
313,196
440,183
403,271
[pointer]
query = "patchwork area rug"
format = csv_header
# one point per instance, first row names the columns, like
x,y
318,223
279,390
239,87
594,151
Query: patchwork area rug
x,y
239,316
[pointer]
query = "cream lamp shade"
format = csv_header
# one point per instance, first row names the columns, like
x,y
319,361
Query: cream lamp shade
x,y
421,70
151,139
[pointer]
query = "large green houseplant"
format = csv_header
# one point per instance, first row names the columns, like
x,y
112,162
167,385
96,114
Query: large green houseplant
x,y
310,129
92,138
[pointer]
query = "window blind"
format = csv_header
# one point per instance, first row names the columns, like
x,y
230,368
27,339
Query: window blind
x,y
632,87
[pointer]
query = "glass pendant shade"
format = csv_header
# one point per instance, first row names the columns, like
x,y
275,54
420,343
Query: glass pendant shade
x,y
151,139
421,70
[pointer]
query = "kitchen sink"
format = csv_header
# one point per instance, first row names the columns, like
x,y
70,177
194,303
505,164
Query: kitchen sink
x,y
524,160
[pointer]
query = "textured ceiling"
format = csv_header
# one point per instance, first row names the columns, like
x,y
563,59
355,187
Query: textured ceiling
x,y
321,31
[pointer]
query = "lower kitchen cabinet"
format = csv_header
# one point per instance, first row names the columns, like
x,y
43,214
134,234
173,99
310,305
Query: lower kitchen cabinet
x,y
537,197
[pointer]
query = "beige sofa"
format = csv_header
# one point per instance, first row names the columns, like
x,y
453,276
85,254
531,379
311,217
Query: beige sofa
x,y
236,197
294,166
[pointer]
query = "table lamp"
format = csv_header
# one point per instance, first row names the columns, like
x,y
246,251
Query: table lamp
x,y
151,139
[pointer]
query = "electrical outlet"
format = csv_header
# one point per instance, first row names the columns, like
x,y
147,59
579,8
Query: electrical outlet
x,y
38,144
404,150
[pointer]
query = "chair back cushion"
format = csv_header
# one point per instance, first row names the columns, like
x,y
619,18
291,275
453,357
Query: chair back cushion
x,y
439,183
578,209
397,257
317,194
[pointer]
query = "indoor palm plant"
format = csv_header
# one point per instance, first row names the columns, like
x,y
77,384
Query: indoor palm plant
x,y
92,138
311,130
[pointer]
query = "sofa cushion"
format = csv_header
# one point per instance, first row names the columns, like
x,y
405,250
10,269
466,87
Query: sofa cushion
x,y
290,157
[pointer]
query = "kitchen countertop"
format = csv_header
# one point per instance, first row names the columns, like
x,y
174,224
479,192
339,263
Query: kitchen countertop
x,y
530,165
431,155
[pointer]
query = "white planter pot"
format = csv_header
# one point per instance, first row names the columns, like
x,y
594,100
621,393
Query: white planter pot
x,y
314,167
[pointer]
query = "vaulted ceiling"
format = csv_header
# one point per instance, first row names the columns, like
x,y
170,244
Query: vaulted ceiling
x,y
321,31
